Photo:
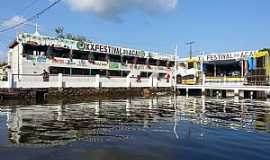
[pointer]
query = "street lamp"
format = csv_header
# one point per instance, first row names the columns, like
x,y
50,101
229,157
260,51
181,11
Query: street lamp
x,y
190,43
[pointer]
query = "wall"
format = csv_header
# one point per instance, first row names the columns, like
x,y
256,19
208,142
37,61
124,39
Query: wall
x,y
60,81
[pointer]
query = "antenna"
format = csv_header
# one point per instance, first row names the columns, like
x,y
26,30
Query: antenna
x,y
36,27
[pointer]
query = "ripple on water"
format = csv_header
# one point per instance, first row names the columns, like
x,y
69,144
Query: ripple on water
x,y
159,128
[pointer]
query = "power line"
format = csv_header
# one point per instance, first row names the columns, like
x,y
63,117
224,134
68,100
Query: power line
x,y
31,18
26,7
33,2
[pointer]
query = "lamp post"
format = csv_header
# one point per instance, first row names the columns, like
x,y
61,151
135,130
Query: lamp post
x,y
190,43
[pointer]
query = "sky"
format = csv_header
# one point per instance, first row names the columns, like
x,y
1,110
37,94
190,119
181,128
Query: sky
x,y
216,26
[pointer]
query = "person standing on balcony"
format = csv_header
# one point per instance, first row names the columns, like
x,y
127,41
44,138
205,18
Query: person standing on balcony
x,y
45,75
167,77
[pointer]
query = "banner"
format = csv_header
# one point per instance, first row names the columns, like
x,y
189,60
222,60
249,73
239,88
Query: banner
x,y
78,45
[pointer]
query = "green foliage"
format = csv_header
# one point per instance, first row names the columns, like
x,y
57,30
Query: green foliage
x,y
59,31
265,49
60,34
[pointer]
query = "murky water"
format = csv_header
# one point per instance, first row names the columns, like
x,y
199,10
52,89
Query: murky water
x,y
158,128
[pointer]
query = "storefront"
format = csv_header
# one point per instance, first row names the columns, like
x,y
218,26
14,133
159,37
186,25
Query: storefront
x,y
225,67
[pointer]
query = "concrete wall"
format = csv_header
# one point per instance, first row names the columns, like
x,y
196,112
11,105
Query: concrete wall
x,y
60,81
54,94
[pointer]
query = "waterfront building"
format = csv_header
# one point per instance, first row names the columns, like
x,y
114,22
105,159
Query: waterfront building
x,y
37,61
31,54
42,62
243,67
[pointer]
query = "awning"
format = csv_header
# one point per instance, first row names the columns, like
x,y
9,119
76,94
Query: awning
x,y
260,54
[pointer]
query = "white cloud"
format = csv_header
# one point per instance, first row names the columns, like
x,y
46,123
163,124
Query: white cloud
x,y
112,9
12,21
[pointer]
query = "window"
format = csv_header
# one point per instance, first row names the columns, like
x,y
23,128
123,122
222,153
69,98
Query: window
x,y
78,71
260,62
34,50
115,58
57,70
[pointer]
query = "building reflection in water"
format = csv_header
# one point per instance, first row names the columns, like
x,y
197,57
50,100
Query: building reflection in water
x,y
114,120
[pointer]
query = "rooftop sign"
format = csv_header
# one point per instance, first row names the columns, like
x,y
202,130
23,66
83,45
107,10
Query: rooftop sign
x,y
84,46
222,57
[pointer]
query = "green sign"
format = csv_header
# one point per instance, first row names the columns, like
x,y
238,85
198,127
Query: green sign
x,y
114,65
81,45
141,54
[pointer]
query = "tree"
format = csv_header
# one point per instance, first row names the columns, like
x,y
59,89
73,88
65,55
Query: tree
x,y
265,49
69,36
59,32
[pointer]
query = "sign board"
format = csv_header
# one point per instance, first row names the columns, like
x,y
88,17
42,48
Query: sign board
x,y
226,56
83,46
114,66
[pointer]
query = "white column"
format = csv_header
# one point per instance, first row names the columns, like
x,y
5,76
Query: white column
x,y
151,80
155,81
173,83
128,82
203,79
97,82
10,80
60,80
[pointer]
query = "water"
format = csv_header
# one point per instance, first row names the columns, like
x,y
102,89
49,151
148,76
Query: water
x,y
158,128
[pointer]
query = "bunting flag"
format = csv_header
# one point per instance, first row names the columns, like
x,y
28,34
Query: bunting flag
x,y
250,63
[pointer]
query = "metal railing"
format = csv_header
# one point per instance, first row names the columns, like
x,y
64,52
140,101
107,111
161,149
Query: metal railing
x,y
258,80
225,79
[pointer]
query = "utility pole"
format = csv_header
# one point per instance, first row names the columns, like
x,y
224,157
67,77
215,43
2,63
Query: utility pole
x,y
202,69
190,43
175,67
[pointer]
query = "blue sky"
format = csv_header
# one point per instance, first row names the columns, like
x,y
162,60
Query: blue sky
x,y
156,25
